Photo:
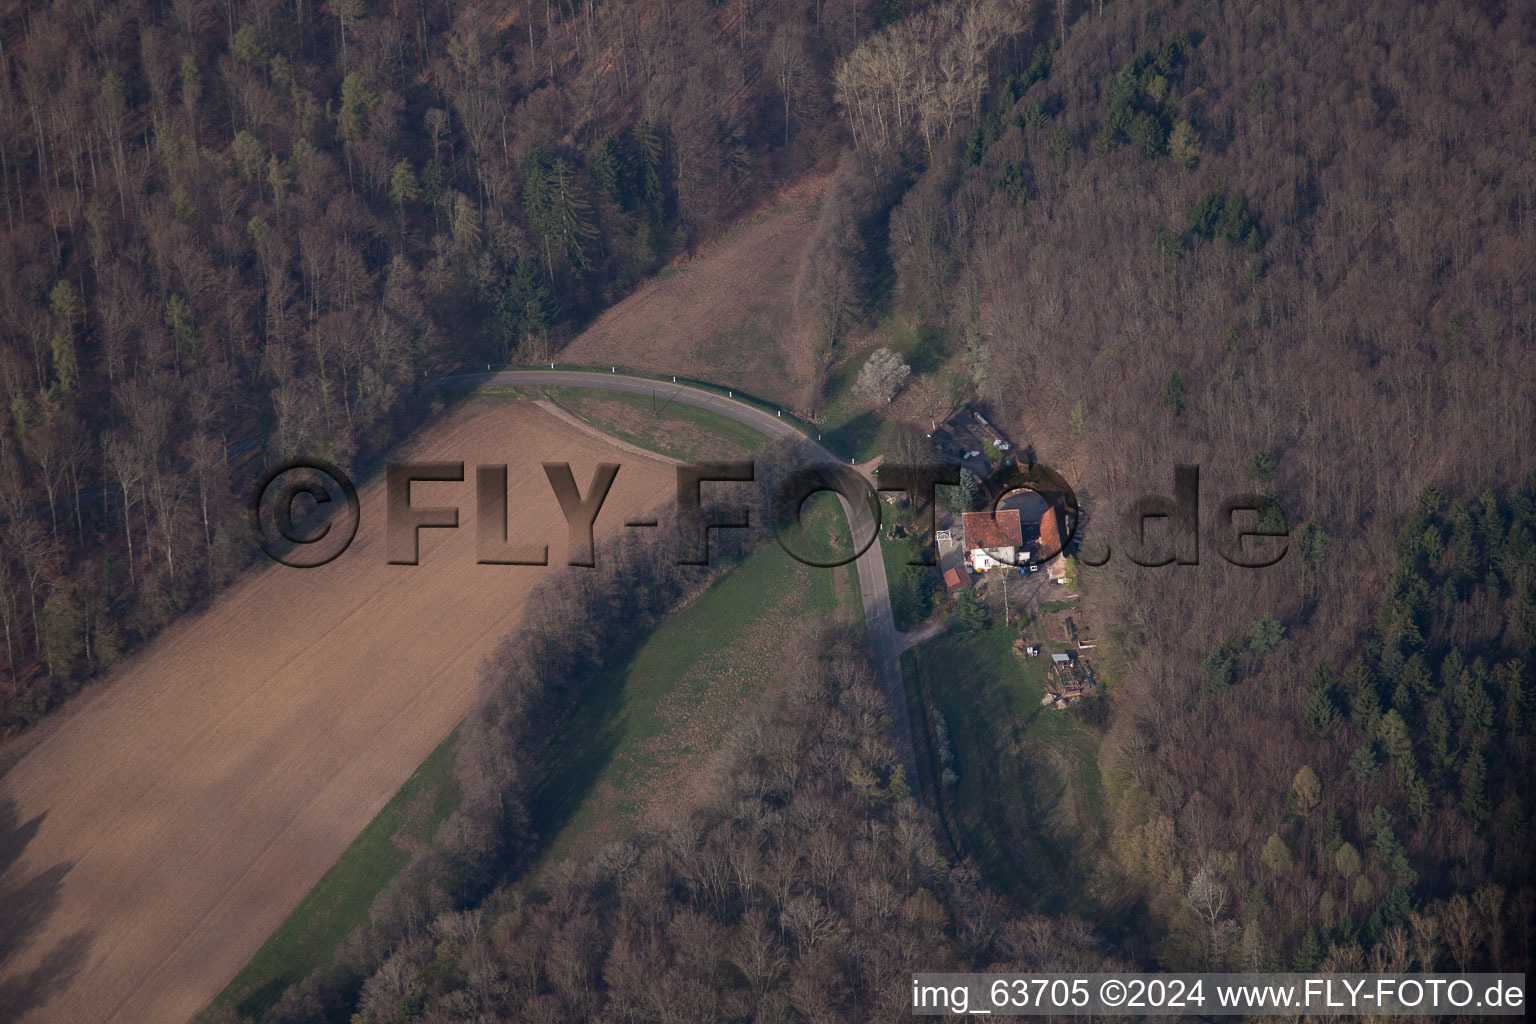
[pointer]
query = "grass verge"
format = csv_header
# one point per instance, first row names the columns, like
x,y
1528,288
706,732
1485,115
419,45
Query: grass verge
x,y
1026,802
340,901
680,431
915,589
628,752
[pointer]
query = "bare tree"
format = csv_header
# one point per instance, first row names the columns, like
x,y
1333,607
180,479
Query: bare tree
x,y
909,446
44,445
75,451
8,612
165,489
206,454
786,56
934,398
39,557
1208,895
1462,930
920,77
126,462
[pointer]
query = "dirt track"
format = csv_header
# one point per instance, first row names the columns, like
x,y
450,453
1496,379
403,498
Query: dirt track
x,y
153,841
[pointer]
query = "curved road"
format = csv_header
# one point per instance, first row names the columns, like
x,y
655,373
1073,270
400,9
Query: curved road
x,y
885,643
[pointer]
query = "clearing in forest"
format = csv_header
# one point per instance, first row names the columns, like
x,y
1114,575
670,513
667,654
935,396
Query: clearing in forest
x,y
1024,801
723,316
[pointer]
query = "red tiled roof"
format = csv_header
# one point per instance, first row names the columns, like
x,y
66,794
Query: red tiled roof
x,y
983,530
953,580
1050,532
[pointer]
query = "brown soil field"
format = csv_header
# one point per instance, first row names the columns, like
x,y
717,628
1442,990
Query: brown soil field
x,y
725,315
153,840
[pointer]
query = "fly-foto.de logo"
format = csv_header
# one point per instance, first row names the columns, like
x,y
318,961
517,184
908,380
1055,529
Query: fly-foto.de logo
x,y
1155,530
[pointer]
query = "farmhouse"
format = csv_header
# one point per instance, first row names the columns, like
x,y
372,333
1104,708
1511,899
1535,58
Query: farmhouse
x,y
992,540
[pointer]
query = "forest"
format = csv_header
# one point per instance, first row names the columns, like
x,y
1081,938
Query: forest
x,y
1291,243
237,231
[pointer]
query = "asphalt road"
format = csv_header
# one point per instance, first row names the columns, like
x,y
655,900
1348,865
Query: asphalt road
x,y
885,642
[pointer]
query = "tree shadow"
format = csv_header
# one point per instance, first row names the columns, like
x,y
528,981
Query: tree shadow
x,y
855,437
28,903
584,744
932,350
